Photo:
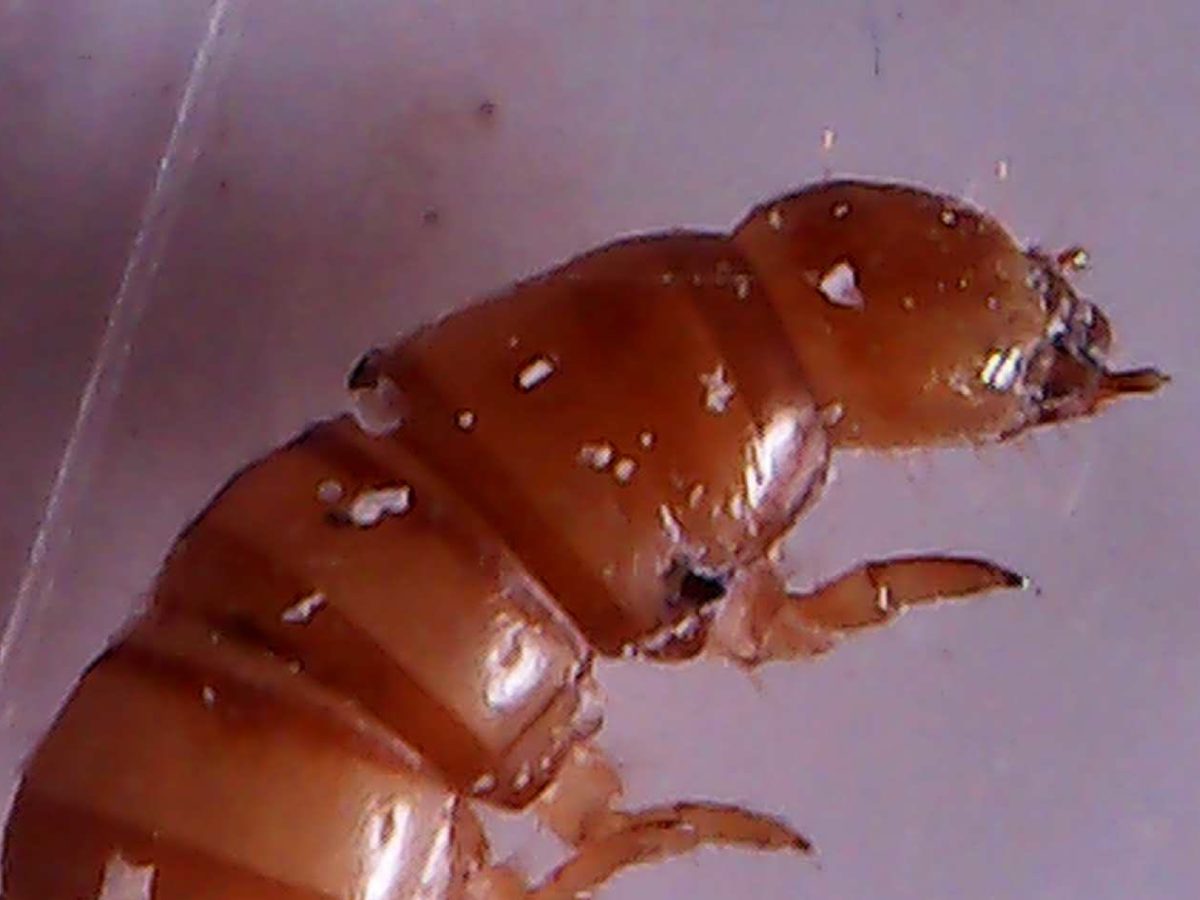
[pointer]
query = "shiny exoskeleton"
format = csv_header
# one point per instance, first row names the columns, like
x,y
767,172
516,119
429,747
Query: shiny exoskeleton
x,y
394,617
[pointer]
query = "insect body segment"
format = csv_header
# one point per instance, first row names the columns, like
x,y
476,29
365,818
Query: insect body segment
x,y
395,616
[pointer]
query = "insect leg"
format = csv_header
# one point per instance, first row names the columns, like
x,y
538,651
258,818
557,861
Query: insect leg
x,y
765,622
877,591
581,808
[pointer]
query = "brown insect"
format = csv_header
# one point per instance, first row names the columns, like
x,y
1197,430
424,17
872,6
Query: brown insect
x,y
394,617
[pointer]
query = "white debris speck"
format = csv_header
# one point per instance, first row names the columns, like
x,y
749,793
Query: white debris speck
x,y
695,495
124,880
670,524
741,285
523,777
302,611
840,287
597,456
718,391
1001,369
883,598
993,303
1076,259
208,695
948,217
828,137
841,210
483,784
624,468
370,507
667,277
775,218
832,413
908,302
1002,169
534,373
686,628
330,491
646,439
960,386
514,342
465,419
377,409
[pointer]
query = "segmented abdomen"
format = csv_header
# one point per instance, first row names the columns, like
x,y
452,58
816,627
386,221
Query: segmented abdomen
x,y
522,485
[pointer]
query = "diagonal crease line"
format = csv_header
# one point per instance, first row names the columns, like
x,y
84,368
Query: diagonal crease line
x,y
112,353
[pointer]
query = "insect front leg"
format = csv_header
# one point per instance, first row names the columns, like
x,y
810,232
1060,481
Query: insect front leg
x,y
763,621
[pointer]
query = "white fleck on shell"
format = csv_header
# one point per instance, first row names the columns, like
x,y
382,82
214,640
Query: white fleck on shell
x,y
775,218
832,413
597,456
1077,259
840,287
484,784
370,507
741,285
718,390
330,491
883,598
465,419
670,524
624,468
948,217
523,777
208,695
534,373
695,495
124,880
646,439
377,409
841,209
302,611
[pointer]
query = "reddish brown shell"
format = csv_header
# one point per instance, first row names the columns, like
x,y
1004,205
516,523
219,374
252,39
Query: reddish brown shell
x,y
399,609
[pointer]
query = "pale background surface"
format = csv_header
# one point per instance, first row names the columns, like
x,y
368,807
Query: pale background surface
x,y
208,210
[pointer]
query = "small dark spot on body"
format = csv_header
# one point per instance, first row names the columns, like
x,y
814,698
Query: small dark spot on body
x,y
699,590
431,216
692,589
365,374
487,111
